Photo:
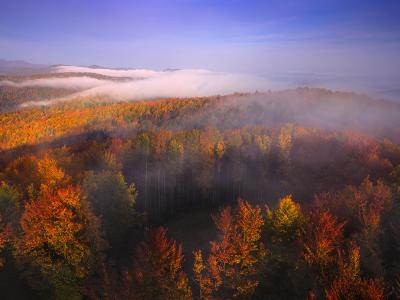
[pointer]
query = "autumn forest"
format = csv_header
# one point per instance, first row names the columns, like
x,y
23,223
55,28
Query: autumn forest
x,y
276,195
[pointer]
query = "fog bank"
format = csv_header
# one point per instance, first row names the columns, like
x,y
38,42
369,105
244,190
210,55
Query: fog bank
x,y
133,73
146,84
141,84
182,83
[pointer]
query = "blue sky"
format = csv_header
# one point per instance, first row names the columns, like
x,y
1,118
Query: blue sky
x,y
260,37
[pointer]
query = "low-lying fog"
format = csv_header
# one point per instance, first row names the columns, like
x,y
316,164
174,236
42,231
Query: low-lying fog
x,y
146,84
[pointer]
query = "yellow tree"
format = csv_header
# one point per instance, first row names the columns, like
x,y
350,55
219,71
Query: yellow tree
x,y
284,144
286,222
28,173
283,227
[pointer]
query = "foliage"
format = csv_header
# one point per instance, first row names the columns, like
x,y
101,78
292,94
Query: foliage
x,y
157,269
60,243
286,222
114,201
235,259
350,286
65,194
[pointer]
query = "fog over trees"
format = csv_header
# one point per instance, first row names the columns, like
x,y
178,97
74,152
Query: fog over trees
x,y
288,194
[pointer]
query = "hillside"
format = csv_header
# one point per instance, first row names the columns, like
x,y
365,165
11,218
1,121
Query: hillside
x,y
125,165
87,178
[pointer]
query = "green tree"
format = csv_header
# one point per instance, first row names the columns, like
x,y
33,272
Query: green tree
x,y
113,200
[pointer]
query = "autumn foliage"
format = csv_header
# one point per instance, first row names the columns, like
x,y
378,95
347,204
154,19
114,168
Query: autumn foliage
x,y
235,260
157,269
85,187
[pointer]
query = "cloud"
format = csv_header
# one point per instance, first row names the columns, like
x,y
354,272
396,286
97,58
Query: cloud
x,y
188,83
149,84
132,73
182,83
164,84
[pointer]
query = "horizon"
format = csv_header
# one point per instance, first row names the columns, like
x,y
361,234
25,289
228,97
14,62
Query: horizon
x,y
168,82
336,38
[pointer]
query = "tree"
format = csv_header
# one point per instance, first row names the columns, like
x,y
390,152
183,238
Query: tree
x,y
60,242
175,154
157,269
28,173
282,231
114,201
363,208
284,145
143,147
349,285
235,261
321,242
204,283
9,214
286,222
389,243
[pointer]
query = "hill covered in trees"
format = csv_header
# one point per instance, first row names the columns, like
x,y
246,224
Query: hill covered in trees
x,y
303,187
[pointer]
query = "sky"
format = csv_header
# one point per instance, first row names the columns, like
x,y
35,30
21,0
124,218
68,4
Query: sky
x,y
333,37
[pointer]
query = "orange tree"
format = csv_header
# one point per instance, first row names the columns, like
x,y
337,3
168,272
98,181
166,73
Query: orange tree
x,y
157,270
59,244
233,266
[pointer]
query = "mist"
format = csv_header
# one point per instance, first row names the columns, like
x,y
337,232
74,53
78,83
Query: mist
x,y
146,84
182,83
73,83
142,84
133,73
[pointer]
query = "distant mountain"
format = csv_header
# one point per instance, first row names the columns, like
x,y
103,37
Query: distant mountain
x,y
20,67
171,70
90,67
390,94
97,67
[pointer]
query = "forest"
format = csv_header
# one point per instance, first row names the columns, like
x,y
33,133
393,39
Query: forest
x,y
290,194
